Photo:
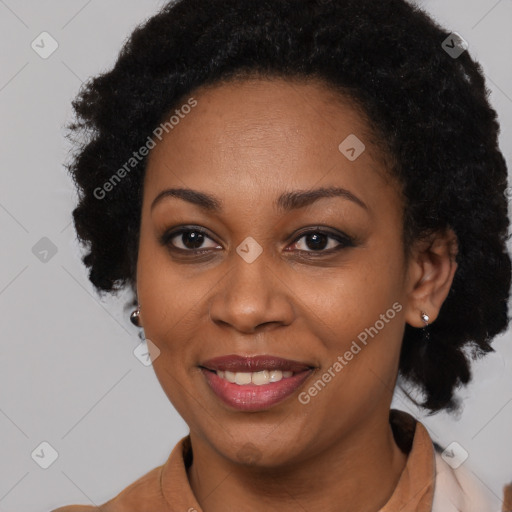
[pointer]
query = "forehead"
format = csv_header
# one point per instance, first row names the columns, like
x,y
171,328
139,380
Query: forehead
x,y
271,133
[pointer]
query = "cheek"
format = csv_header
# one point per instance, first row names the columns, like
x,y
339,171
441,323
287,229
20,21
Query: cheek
x,y
358,315
350,299
164,298
361,340
167,306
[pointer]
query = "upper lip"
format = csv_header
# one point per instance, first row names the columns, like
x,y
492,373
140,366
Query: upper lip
x,y
237,363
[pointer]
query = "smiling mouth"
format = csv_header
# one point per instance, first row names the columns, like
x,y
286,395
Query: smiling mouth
x,y
254,383
251,396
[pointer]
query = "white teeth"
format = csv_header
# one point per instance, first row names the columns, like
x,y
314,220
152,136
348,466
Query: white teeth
x,y
242,378
230,376
258,378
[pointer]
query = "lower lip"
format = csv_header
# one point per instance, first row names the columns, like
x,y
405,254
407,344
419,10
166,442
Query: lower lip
x,y
250,397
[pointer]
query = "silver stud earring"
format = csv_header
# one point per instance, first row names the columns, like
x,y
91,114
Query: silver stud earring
x,y
135,316
425,318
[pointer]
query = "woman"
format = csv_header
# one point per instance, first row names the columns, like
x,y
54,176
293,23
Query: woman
x,y
307,199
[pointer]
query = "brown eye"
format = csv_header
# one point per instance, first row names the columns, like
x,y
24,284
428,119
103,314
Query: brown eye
x,y
322,242
186,239
191,239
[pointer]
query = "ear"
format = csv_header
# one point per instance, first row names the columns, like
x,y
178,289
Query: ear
x,y
431,269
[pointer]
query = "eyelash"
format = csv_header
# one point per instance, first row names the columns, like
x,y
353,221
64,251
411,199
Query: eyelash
x,y
344,240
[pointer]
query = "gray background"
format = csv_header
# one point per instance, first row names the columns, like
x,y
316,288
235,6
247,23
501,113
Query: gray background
x,y
68,375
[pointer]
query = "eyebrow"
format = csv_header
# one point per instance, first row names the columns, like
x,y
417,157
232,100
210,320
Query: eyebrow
x,y
285,202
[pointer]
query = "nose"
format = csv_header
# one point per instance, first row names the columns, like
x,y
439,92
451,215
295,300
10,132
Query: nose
x,y
253,296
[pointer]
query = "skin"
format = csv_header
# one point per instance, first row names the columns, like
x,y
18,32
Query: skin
x,y
246,143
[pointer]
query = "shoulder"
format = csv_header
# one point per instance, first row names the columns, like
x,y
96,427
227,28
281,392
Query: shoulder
x,y
141,495
458,489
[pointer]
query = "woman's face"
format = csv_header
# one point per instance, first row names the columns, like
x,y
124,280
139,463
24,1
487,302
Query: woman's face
x,y
317,279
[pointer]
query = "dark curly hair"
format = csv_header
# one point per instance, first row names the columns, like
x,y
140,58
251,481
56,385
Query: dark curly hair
x,y
429,109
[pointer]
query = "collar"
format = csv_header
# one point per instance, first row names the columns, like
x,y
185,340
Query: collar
x,y
414,491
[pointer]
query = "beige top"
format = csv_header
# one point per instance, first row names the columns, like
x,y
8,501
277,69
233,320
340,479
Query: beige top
x,y
427,483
